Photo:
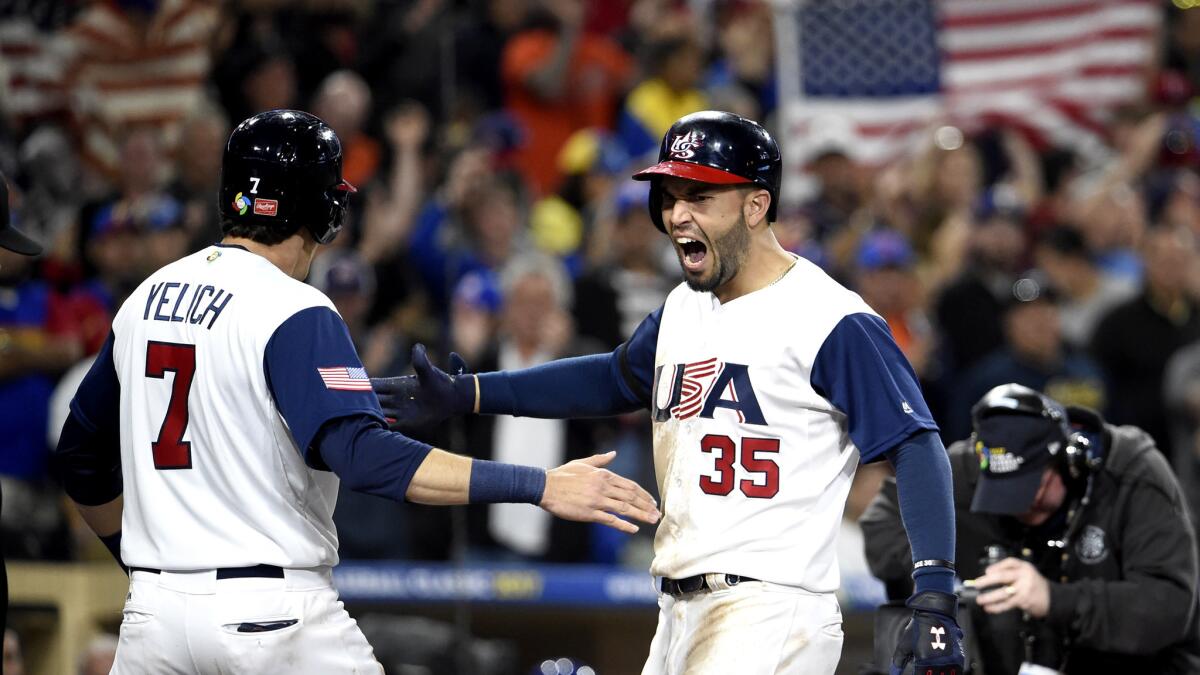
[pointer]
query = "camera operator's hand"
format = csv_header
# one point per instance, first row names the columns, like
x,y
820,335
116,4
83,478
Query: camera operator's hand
x,y
932,641
1016,584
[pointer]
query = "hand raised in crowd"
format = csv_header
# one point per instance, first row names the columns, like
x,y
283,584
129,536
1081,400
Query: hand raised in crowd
x,y
584,491
1016,584
407,126
423,399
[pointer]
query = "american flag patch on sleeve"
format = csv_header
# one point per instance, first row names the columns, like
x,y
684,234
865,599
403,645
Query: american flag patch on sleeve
x,y
343,378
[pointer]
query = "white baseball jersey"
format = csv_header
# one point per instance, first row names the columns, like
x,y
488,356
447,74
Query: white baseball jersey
x,y
227,367
763,408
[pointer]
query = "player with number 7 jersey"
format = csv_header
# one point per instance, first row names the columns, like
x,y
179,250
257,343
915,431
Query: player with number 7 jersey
x,y
207,443
768,383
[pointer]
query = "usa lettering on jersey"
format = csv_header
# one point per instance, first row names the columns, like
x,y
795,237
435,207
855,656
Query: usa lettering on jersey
x,y
686,390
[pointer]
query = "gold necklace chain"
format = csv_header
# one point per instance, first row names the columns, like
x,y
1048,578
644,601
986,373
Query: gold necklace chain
x,y
785,272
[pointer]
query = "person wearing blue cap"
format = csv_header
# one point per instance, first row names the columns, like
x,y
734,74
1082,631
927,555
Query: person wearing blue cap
x,y
1074,537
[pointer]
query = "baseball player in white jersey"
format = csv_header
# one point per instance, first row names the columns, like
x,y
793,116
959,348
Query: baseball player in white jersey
x,y
206,444
768,383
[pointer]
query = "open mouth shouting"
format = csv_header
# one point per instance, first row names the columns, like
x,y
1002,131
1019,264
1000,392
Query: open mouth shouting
x,y
692,254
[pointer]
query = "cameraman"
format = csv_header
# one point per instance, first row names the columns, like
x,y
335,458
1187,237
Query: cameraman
x,y
1077,524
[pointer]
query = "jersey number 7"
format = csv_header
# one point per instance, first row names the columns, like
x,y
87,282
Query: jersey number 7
x,y
170,450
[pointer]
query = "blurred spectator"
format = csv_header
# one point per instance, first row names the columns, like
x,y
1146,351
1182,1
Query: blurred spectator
x,y
887,282
349,281
969,310
592,163
1088,294
475,223
344,102
1173,198
1183,42
835,175
255,75
1181,395
51,196
480,44
560,79
947,186
1034,354
535,328
747,56
388,215
98,658
117,253
137,61
474,314
166,238
1134,341
671,91
14,662
1111,223
627,282
198,171
39,340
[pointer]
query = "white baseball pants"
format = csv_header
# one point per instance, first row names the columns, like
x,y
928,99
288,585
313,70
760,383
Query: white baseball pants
x,y
191,623
753,628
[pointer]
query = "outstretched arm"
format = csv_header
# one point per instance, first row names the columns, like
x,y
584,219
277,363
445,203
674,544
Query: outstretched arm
x,y
585,386
371,459
340,427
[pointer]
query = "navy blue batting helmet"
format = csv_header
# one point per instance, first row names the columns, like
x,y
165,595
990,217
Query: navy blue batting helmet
x,y
282,170
716,147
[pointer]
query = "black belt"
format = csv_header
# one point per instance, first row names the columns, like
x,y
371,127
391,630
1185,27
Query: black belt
x,y
696,584
263,571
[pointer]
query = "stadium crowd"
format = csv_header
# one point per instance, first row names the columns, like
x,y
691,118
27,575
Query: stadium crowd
x,y
491,141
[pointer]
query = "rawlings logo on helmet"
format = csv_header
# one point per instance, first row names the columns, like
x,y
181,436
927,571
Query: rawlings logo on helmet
x,y
685,146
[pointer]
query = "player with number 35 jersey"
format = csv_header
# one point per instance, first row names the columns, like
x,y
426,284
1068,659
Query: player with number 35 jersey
x,y
767,382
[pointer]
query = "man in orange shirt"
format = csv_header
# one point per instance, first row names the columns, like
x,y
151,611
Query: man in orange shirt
x,y
559,80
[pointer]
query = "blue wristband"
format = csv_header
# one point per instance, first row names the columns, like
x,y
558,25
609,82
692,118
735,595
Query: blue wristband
x,y
497,482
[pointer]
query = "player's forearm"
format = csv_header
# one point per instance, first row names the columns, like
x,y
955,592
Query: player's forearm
x,y
926,496
104,519
583,386
442,479
371,459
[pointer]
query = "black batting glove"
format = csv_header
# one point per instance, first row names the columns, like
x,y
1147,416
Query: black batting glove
x,y
931,643
430,396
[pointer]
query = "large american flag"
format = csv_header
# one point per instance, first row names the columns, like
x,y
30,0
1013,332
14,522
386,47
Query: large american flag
x,y
881,72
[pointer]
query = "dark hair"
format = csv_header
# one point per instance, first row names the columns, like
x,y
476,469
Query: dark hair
x,y
268,236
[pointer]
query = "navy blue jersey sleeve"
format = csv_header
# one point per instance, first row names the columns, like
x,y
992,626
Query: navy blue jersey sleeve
x,y
88,456
583,386
367,457
636,357
97,402
860,369
925,490
315,375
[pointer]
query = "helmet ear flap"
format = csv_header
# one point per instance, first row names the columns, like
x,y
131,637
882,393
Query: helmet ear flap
x,y
654,204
